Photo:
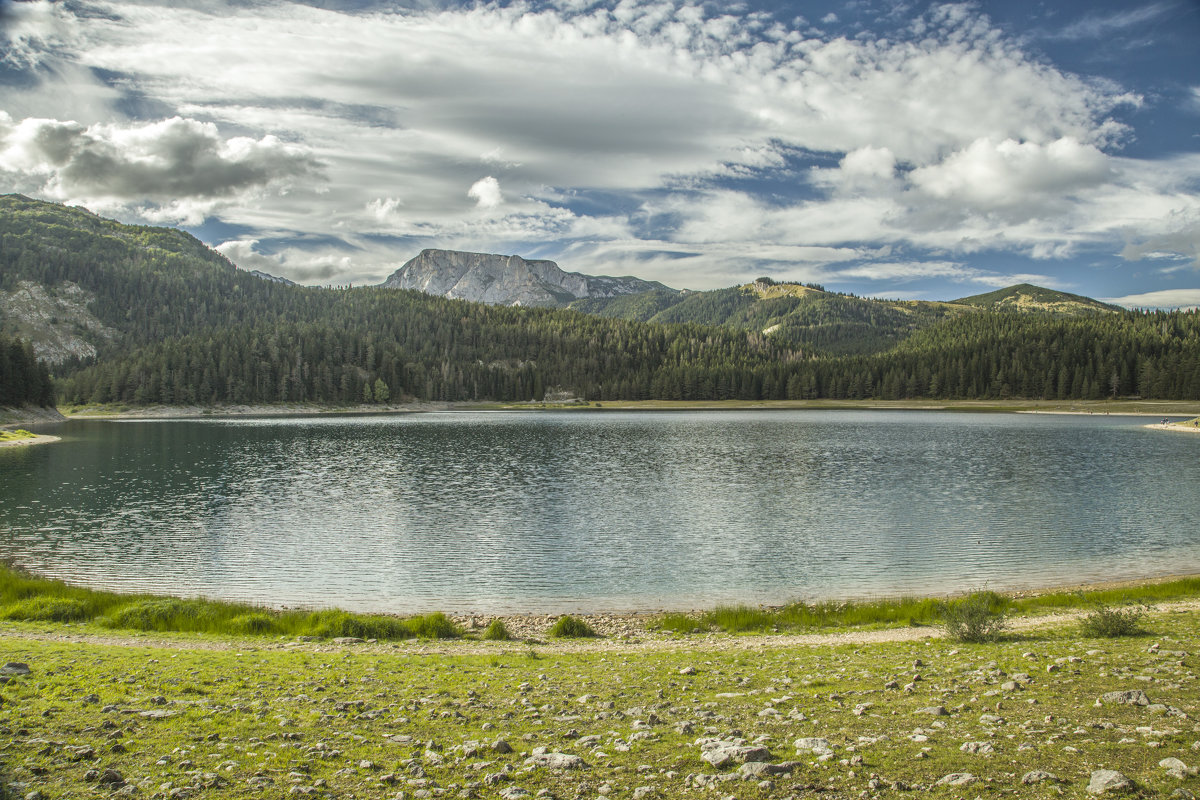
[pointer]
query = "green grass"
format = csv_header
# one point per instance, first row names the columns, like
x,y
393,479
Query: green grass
x,y
16,435
230,719
909,611
30,598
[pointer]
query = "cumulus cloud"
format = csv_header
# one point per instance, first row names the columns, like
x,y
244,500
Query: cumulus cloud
x,y
1019,179
166,162
293,263
486,192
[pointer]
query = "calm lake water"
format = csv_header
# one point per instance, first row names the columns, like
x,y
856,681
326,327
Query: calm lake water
x,y
571,511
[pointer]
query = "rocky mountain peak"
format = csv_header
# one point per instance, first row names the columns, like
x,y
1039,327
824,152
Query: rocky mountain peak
x,y
505,280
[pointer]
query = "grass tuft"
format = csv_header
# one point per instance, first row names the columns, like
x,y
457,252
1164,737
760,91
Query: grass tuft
x,y
496,632
48,609
680,623
569,627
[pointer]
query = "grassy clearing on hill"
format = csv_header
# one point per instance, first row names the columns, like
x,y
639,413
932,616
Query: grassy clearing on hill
x,y
269,719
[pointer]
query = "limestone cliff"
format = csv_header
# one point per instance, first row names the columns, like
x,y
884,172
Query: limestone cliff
x,y
506,280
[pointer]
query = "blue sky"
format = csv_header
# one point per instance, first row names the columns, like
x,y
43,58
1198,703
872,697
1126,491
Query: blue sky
x,y
889,149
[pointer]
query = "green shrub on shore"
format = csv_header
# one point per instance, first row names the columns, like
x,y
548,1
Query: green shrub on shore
x,y
978,617
569,627
1107,623
496,631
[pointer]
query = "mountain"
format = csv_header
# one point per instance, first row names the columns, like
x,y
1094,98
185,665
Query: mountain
x,y
157,317
1027,298
829,323
507,280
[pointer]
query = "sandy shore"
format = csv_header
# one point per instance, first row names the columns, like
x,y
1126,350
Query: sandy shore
x,y
1182,427
39,439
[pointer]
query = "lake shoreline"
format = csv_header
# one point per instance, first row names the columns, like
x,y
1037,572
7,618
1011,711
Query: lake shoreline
x,y
1102,407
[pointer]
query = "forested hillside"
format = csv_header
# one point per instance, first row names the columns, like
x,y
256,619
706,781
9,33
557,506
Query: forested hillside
x,y
178,323
24,381
829,323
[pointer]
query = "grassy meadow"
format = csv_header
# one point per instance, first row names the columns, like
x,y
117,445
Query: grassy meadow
x,y
174,705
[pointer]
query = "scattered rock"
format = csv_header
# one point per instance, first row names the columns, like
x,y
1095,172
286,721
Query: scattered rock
x,y
722,753
111,777
956,779
348,640
501,746
813,745
1133,697
513,793
15,668
555,761
1040,776
1105,781
977,748
1176,768
937,711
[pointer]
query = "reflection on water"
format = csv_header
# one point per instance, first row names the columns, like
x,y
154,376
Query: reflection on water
x,y
579,511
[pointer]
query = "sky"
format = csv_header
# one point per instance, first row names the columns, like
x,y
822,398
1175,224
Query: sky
x,y
886,148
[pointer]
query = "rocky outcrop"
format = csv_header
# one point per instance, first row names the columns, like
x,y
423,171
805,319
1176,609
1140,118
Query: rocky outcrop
x,y
55,319
506,280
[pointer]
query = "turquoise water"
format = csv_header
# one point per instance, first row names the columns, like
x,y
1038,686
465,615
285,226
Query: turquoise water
x,y
553,512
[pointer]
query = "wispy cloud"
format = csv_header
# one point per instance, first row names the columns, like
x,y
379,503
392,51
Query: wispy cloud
x,y
1097,25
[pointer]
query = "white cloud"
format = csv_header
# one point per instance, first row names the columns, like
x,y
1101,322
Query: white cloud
x,y
907,271
486,192
165,165
947,135
1098,25
381,208
1165,298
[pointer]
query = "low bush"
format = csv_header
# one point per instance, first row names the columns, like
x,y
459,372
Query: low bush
x,y
1106,622
978,617
569,627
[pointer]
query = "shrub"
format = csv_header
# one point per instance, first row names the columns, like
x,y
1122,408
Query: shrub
x,y
1111,622
48,609
496,631
256,624
569,627
978,617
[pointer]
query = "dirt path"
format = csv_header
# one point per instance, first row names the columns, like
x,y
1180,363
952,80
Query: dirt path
x,y
628,641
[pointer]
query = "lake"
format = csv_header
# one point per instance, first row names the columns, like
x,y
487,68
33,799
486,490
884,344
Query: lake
x,y
600,510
